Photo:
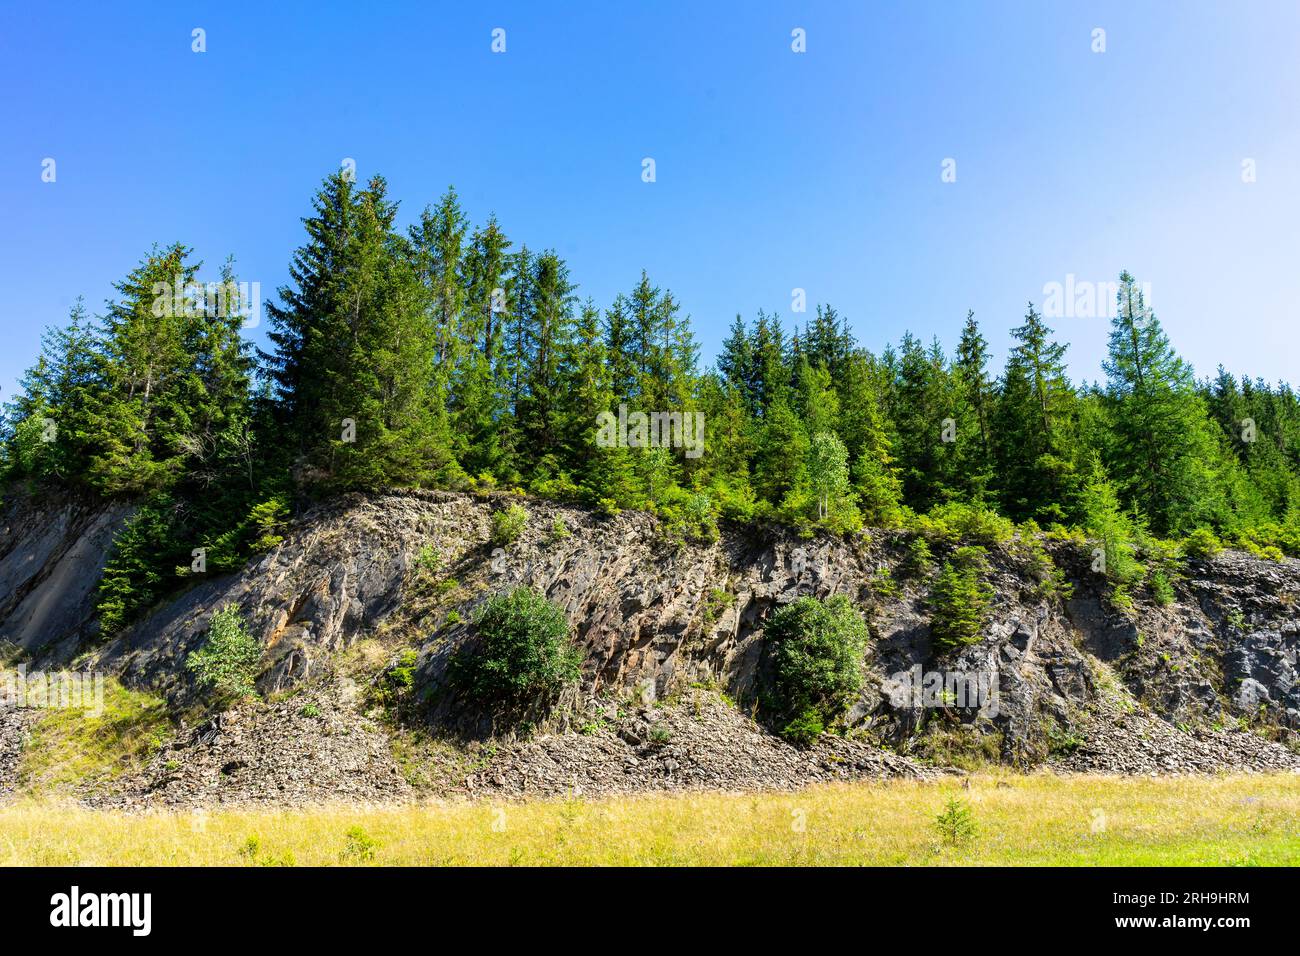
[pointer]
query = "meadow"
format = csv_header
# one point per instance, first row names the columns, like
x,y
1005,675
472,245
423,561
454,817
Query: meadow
x,y
1000,819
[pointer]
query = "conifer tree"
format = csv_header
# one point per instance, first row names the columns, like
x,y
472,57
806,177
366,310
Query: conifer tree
x,y
1163,457
1034,426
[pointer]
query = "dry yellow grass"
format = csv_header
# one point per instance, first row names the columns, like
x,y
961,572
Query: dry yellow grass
x,y
1041,819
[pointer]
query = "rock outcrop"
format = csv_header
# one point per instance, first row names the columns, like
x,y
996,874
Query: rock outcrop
x,y
1068,681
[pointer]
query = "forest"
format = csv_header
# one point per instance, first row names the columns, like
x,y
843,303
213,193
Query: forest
x,y
444,356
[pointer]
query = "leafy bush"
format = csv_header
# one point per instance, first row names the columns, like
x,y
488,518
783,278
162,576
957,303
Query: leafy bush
x,y
957,521
1202,543
1115,536
227,661
689,516
428,560
804,729
508,524
360,847
1268,552
959,600
818,649
559,530
394,685
523,649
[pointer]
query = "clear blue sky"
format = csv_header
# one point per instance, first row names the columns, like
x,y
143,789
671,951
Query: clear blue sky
x,y
775,170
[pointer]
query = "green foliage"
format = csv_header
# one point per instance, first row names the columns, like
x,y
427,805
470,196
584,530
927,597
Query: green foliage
x,y
1202,543
1114,537
956,824
136,574
394,684
428,560
715,602
423,356
508,524
817,650
919,559
962,522
804,728
959,600
523,649
227,661
1268,552
1162,592
359,848
1041,569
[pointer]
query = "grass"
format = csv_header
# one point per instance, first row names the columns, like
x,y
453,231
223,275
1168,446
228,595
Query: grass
x,y
70,748
1016,820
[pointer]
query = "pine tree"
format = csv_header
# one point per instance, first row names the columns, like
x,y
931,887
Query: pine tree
x,y
548,331
356,352
975,394
1034,427
476,401
1163,456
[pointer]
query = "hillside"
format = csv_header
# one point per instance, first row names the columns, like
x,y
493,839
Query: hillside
x,y
672,633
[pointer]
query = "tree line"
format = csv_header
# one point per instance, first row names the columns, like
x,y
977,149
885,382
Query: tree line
x,y
442,355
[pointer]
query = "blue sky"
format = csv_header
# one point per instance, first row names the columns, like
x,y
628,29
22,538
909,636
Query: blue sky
x,y
775,170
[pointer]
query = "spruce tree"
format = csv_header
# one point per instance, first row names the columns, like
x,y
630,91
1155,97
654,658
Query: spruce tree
x,y
1163,456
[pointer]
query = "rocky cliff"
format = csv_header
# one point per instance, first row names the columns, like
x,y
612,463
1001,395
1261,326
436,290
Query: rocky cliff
x,y
673,640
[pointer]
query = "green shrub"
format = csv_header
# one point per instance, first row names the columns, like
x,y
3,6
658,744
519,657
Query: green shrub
x,y
957,521
956,824
804,729
508,524
715,602
1202,543
959,600
1268,552
360,847
688,516
559,530
818,649
227,661
1162,592
1114,539
428,560
1050,579
393,687
523,649
919,559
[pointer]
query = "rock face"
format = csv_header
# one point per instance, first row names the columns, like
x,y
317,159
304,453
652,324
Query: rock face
x,y
51,556
1059,681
